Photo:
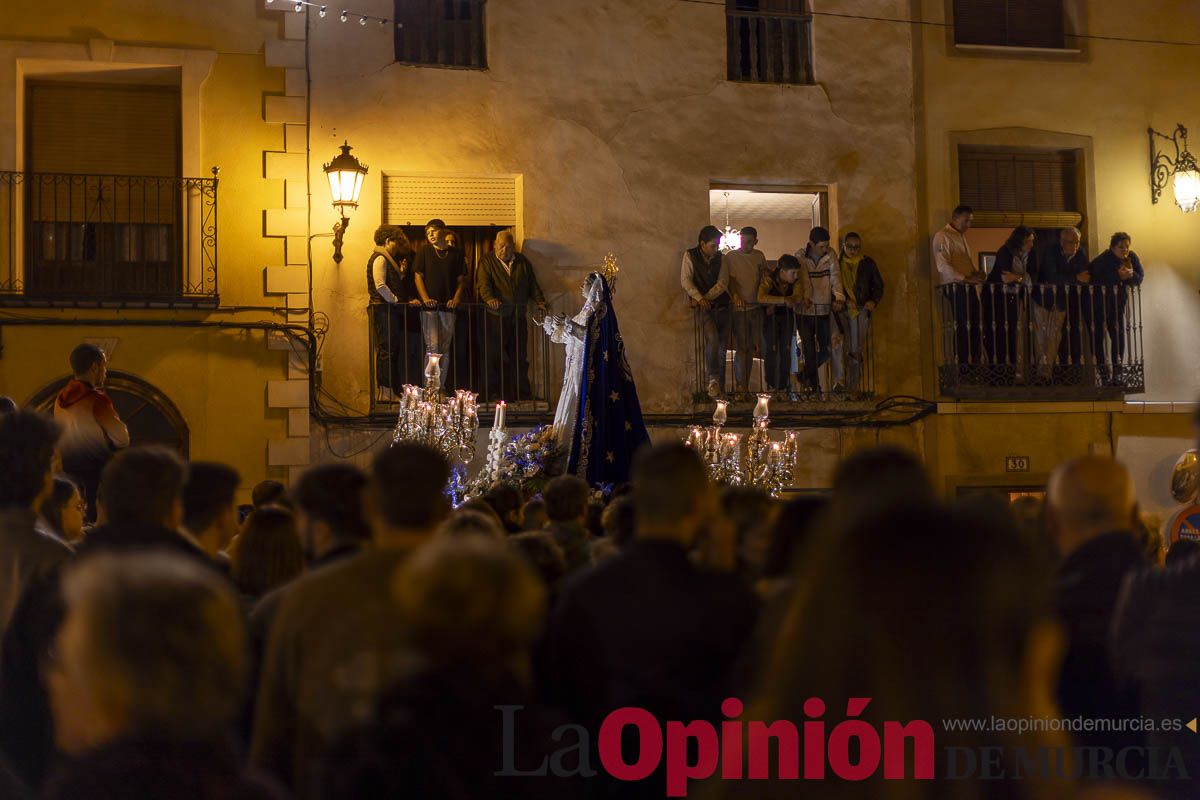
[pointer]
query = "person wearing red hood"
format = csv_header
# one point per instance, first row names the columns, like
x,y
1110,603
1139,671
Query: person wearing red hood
x,y
92,429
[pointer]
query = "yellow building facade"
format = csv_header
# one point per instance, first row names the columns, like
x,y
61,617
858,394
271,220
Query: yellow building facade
x,y
594,128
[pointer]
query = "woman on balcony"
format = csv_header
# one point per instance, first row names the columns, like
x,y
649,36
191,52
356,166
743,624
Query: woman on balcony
x,y
1005,316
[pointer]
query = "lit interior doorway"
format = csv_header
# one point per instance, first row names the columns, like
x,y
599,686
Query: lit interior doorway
x,y
782,218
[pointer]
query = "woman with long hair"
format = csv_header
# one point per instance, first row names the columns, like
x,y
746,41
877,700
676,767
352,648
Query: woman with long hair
x,y
269,553
1005,316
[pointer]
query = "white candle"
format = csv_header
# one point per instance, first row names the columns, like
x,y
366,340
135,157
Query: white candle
x,y
499,421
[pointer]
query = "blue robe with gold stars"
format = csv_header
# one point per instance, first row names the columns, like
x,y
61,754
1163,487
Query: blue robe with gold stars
x,y
609,427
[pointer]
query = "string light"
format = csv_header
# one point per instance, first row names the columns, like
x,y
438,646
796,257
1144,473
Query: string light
x,y
322,10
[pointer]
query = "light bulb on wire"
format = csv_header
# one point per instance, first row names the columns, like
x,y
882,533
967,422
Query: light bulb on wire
x,y
299,7
321,12
343,17
362,20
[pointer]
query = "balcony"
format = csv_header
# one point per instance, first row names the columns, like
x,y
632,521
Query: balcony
x,y
498,356
785,342
1040,342
107,240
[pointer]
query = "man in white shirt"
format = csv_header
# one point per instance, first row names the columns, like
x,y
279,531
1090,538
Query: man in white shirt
x,y
958,278
746,265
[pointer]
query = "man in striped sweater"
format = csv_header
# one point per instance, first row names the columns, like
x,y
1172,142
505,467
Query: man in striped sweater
x,y
92,429
820,286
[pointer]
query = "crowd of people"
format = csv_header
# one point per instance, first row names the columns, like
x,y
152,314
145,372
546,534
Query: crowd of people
x,y
826,297
1037,316
417,300
354,636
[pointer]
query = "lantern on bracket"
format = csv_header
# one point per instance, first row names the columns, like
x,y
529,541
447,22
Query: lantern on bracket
x,y
346,174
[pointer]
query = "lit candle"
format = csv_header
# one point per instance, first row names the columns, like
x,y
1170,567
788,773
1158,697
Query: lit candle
x,y
498,423
773,455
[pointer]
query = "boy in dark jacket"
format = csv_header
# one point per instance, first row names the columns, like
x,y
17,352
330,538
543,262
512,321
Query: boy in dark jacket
x,y
863,287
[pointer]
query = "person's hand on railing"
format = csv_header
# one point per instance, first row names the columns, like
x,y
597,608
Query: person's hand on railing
x,y
1125,273
703,304
975,277
1084,277
808,304
415,302
430,303
1012,277
494,303
838,305
452,303
738,303
869,306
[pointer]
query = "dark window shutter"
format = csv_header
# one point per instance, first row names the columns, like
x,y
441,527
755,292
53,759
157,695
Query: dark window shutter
x,y
91,128
1010,23
979,21
768,41
992,179
447,33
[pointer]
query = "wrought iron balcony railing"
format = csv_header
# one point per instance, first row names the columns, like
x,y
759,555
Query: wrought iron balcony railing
x,y
822,356
1053,342
107,239
500,354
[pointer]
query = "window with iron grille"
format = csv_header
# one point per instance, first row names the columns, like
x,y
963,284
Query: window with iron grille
x,y
443,33
768,41
1010,23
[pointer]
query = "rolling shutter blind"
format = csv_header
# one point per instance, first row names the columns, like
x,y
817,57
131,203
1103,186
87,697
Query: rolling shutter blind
x,y
462,201
1009,23
1014,180
103,129
97,129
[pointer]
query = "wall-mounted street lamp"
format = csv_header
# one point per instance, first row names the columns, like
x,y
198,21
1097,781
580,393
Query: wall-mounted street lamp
x,y
345,175
1182,168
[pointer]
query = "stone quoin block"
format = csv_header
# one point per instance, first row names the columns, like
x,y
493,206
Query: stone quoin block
x,y
283,110
285,53
286,166
287,394
286,221
288,452
286,280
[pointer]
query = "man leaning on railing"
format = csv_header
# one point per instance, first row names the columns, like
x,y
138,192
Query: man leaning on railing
x,y
1112,273
958,276
746,265
506,283
1056,309
441,277
863,286
394,311
705,278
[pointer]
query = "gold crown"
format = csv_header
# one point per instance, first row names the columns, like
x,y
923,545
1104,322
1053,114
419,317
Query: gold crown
x,y
610,270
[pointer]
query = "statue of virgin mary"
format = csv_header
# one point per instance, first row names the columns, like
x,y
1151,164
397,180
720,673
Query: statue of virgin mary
x,y
598,424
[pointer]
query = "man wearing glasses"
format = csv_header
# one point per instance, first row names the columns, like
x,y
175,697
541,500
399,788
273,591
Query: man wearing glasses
x,y
863,287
